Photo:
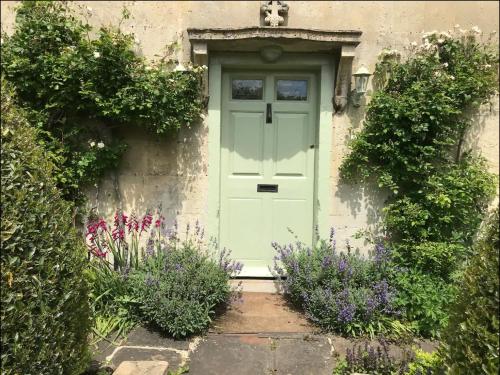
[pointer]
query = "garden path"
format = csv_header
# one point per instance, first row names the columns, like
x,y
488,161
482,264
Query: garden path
x,y
259,335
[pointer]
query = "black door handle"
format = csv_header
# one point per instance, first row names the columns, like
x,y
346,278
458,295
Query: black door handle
x,y
269,114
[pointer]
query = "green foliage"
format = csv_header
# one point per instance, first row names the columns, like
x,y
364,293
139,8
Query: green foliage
x,y
114,310
472,335
71,85
424,299
449,206
412,122
425,363
44,310
412,145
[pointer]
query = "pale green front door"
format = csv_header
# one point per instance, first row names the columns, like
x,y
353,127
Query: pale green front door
x,y
267,164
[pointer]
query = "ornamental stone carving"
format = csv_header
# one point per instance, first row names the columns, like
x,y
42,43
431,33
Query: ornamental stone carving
x,y
274,11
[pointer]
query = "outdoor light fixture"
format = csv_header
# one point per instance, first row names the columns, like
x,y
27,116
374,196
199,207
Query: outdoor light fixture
x,y
360,83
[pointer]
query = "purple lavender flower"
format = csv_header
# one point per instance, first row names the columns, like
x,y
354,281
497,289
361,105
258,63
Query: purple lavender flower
x,y
326,261
342,266
346,313
382,254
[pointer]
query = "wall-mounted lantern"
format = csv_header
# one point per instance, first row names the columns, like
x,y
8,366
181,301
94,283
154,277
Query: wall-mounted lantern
x,y
360,84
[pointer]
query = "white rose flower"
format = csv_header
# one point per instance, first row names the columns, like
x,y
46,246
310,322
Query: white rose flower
x,y
476,30
437,74
97,54
440,40
445,64
92,144
452,78
487,66
100,145
179,68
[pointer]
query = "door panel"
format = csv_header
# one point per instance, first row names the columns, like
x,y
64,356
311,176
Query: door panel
x,y
291,137
256,151
247,143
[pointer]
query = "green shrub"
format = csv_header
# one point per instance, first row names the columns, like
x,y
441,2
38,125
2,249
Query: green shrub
x,y
472,336
44,311
341,292
179,288
64,78
413,145
426,363
424,299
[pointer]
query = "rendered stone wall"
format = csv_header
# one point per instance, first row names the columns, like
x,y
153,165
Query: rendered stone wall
x,y
173,172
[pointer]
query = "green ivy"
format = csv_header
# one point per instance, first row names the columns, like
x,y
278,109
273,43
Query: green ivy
x,y
412,144
70,85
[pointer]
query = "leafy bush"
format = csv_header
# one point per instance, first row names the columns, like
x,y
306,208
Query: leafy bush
x,y
341,292
44,309
424,299
64,78
472,335
412,144
189,283
426,363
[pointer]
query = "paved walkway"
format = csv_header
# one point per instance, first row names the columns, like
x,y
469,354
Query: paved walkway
x,y
243,341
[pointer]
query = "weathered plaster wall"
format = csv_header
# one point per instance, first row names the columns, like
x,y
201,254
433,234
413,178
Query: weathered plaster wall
x,y
173,171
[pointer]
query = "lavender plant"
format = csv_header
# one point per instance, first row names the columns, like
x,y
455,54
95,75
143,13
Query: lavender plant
x,y
341,292
375,360
182,280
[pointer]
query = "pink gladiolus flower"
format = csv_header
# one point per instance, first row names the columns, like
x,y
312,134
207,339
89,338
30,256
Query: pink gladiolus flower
x,y
159,221
133,224
146,222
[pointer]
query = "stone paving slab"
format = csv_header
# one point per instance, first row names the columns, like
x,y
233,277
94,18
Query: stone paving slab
x,y
148,336
126,353
142,368
261,313
293,354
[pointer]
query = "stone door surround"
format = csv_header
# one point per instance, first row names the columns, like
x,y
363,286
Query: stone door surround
x,y
340,43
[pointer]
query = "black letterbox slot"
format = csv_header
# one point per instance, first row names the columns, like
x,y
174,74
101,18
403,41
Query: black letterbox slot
x,y
266,188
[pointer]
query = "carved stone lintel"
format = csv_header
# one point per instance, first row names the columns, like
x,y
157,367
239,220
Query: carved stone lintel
x,y
343,81
200,57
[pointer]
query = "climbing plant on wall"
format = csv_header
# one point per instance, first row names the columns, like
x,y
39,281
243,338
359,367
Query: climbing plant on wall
x,y
64,78
412,144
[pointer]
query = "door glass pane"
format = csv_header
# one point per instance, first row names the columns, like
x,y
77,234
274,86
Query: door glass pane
x,y
288,89
247,89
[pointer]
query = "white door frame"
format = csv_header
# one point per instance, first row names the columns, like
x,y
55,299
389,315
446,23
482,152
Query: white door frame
x,y
322,62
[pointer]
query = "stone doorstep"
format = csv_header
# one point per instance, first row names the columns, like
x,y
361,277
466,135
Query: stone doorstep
x,y
142,368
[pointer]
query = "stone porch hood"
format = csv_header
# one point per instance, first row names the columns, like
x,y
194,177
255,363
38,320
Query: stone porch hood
x,y
340,43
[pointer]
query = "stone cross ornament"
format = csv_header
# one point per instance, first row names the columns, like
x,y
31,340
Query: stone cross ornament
x,y
272,10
